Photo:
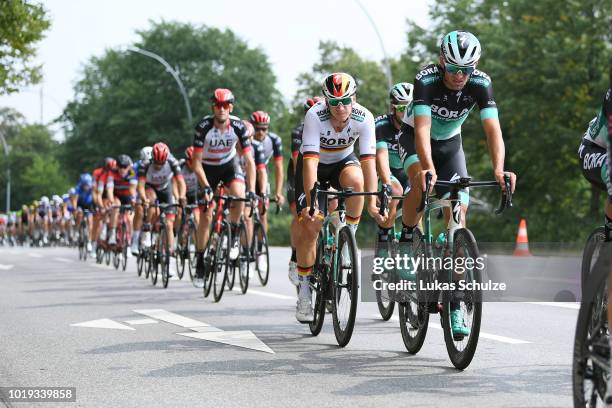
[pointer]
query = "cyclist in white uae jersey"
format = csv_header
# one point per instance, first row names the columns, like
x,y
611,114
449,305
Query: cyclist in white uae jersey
x,y
215,159
331,128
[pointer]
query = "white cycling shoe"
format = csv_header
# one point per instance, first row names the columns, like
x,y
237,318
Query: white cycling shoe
x,y
303,310
134,248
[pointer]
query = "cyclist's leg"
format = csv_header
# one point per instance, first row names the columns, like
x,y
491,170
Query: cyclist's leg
x,y
167,197
412,166
449,161
349,175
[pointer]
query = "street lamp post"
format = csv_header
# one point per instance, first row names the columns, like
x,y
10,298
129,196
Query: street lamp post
x,y
172,72
7,149
382,45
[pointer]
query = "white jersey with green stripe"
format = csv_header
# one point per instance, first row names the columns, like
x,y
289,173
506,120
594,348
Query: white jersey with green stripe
x,y
449,109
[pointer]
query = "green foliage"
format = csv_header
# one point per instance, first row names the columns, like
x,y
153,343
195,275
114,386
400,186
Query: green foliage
x,y
125,100
33,160
22,24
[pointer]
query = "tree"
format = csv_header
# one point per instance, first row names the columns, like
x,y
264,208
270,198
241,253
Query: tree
x,y
22,24
372,89
548,61
125,101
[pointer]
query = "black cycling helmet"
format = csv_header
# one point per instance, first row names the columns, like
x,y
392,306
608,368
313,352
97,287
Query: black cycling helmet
x,y
123,160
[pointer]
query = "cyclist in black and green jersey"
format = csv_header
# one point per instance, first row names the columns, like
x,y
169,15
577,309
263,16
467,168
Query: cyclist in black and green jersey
x,y
388,162
430,140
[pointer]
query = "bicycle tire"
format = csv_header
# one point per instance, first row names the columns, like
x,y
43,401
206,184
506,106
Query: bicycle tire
x,y
343,334
224,245
116,258
262,241
460,351
164,260
155,260
591,247
210,262
181,248
414,313
191,255
384,299
591,344
319,284
244,263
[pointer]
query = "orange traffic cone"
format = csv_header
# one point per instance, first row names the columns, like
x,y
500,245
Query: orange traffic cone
x,y
522,242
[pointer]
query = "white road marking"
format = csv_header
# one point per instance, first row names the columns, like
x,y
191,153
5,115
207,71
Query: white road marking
x,y
173,318
267,294
563,305
140,321
63,259
242,338
103,324
5,267
34,255
495,337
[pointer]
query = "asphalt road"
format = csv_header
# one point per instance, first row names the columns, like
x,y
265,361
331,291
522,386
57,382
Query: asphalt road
x,y
523,357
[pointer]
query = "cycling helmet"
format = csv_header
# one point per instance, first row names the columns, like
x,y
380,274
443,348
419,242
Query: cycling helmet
x,y
222,95
339,85
146,153
260,118
65,197
310,102
110,163
123,160
401,93
250,130
460,48
44,200
189,153
72,191
57,199
160,152
86,179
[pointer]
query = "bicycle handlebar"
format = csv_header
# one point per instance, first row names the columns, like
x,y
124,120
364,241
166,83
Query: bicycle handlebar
x,y
383,195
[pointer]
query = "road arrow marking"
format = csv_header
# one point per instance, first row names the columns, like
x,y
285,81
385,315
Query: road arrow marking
x,y
5,267
173,318
242,338
103,324
140,321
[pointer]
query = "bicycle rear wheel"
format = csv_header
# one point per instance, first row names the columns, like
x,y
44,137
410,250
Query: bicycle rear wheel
x,y
461,349
590,368
262,255
222,262
384,298
191,250
319,284
345,287
413,311
155,257
210,262
181,249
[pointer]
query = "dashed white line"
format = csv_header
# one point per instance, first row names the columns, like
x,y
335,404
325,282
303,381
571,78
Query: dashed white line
x,y
63,259
268,294
563,305
34,255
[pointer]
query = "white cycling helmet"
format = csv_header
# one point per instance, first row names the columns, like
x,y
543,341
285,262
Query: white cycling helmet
x,y
401,93
146,153
44,200
460,48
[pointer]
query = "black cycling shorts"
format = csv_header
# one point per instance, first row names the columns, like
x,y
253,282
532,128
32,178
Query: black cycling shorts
x,y
447,155
326,173
593,161
164,196
226,173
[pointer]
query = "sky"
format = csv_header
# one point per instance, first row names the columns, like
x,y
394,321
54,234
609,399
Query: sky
x,y
288,31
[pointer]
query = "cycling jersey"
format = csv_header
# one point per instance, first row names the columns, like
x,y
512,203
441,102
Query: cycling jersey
x,y
159,178
449,109
597,131
271,145
296,140
219,146
121,185
322,142
191,180
84,196
387,138
97,176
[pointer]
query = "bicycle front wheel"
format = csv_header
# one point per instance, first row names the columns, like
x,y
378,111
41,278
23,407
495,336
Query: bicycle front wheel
x,y
465,304
164,260
222,263
384,298
345,286
262,255
591,252
590,368
319,284
243,258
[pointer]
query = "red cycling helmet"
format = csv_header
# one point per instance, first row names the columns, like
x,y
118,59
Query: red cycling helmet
x,y
189,153
160,152
110,163
260,118
310,102
222,95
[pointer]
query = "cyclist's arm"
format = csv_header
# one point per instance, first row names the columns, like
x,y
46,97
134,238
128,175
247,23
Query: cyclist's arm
x,y
177,177
382,162
110,189
422,132
278,166
249,163
367,156
310,152
196,160
495,143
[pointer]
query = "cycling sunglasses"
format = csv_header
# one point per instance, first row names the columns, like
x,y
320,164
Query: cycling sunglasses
x,y
456,69
340,101
400,108
223,105
261,129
